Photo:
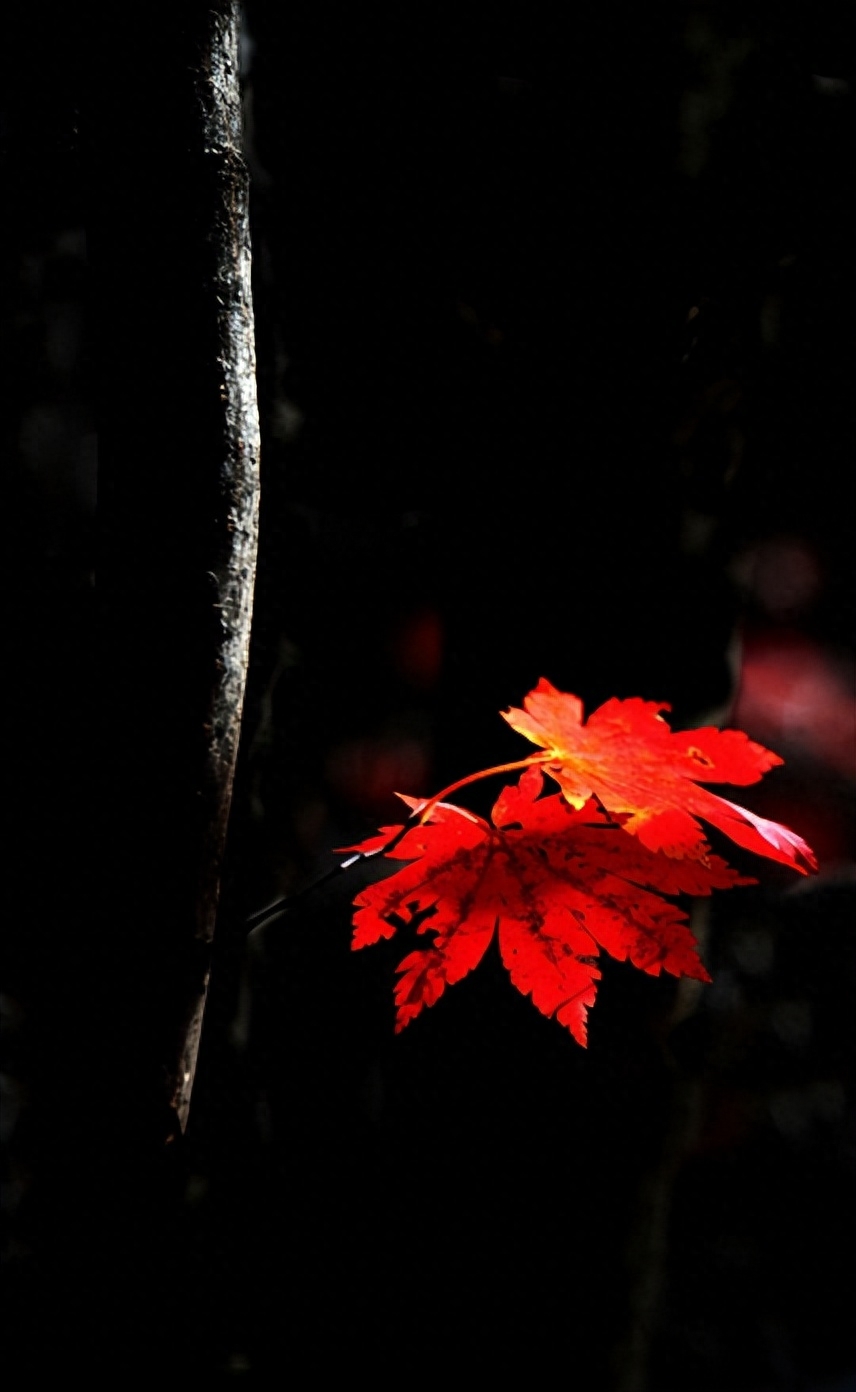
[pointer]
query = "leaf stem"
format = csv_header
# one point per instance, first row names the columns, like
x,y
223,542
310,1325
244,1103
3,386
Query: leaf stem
x,y
424,808
418,816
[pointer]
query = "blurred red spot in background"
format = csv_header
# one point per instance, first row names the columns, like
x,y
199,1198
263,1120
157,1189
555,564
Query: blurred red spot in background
x,y
797,696
417,648
784,575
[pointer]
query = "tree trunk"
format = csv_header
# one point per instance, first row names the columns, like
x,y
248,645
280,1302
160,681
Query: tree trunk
x,y
178,508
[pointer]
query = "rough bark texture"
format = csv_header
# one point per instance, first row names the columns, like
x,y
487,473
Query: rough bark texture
x,y
128,205
218,90
178,509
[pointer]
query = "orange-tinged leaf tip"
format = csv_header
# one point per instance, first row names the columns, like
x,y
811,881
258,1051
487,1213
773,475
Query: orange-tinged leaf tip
x,y
650,778
594,868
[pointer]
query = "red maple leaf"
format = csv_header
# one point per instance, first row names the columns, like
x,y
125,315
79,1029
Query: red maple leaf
x,y
558,882
647,775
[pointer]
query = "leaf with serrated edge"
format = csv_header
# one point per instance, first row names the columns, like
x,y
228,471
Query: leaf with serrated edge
x,y
648,776
559,883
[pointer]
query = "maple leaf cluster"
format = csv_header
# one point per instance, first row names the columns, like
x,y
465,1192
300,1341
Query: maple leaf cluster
x,y
561,877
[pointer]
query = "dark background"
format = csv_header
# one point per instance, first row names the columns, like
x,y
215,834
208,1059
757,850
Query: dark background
x,y
554,327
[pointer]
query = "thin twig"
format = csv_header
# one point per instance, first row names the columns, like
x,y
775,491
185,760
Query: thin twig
x,y
418,816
